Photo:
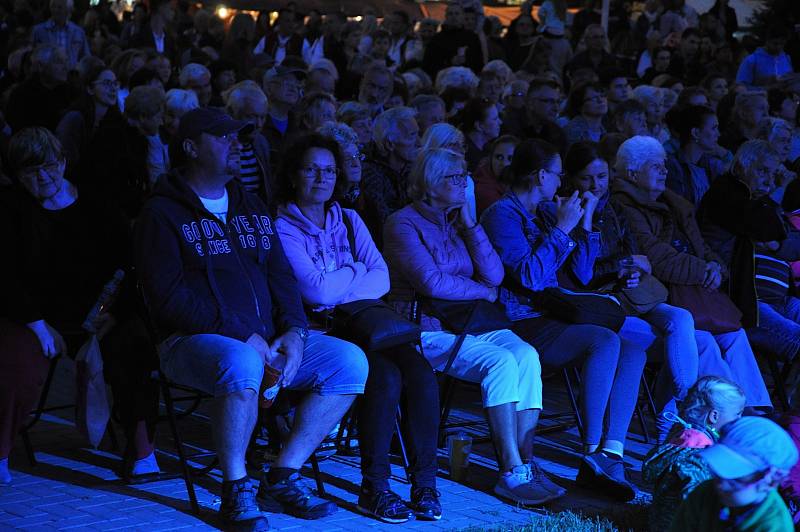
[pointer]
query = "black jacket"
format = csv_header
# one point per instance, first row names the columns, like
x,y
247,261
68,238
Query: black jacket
x,y
731,221
201,276
444,46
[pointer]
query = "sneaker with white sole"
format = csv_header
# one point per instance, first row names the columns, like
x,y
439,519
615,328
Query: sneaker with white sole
x,y
521,487
538,475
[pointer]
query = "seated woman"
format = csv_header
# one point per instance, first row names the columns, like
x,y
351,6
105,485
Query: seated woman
x,y
588,171
449,137
480,123
653,101
436,248
314,232
665,228
348,184
62,258
489,186
587,108
700,159
534,244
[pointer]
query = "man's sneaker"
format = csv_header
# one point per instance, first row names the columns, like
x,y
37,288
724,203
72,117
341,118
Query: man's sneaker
x,y
519,486
425,504
239,510
605,474
385,505
539,476
293,496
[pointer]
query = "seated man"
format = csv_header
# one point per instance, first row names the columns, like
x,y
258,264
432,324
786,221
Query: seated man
x,y
225,301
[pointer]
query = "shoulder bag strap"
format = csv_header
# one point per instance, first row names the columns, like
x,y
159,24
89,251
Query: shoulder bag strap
x,y
351,237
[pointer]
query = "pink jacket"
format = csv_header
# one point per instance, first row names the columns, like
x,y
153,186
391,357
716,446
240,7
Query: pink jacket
x,y
427,254
321,259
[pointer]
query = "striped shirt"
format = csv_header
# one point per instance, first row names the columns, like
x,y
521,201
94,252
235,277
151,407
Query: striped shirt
x,y
772,278
249,171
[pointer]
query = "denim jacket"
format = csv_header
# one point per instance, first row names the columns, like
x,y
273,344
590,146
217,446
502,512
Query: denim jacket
x,y
533,249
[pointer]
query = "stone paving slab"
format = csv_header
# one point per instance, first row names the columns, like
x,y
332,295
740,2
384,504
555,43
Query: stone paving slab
x,y
76,488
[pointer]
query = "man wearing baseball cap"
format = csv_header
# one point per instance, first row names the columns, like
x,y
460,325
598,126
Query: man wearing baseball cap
x,y
225,302
750,460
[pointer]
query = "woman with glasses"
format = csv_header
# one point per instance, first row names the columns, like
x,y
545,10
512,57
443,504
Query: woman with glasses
x,y
348,185
314,230
665,229
66,246
538,235
436,249
587,107
96,107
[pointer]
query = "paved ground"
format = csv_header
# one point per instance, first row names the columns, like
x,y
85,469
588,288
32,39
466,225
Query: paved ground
x,y
75,487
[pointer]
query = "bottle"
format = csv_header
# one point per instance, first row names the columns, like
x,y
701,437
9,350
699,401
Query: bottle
x,y
459,447
272,381
104,301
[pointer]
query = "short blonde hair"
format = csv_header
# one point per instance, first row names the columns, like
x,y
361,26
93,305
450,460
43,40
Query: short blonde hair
x,y
241,93
636,152
429,170
191,72
442,135
708,393
32,146
180,101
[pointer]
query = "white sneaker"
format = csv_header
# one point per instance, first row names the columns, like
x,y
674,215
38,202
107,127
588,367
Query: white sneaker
x,y
521,487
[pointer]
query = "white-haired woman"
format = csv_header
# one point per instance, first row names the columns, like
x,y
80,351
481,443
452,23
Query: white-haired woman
x,y
348,185
653,99
666,230
196,77
443,135
435,248
246,101
456,77
177,103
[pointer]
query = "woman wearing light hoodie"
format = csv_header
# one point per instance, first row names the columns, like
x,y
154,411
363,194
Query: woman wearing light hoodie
x,y
314,232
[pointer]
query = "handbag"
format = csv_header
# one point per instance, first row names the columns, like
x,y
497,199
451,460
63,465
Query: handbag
x,y
370,323
583,307
644,297
713,311
475,316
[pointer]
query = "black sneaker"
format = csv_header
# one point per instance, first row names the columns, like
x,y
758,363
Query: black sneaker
x,y
239,510
605,474
425,504
293,496
386,506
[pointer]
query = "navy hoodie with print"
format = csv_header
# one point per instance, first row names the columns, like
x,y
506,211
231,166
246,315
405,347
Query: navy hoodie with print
x,y
200,276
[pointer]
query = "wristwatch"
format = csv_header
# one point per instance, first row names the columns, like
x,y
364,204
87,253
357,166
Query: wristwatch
x,y
302,332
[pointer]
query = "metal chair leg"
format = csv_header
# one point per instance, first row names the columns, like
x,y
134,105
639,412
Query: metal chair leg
x,y
573,402
778,382
187,475
317,474
401,441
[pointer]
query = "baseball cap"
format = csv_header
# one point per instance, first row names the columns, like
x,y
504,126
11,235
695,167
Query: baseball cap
x,y
748,445
279,71
211,121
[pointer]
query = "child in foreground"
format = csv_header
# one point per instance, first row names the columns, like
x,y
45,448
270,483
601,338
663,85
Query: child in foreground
x,y
673,467
748,463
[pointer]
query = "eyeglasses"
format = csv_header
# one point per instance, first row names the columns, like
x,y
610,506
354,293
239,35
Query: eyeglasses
x,y
560,175
313,172
107,83
49,168
227,137
457,179
547,101
354,160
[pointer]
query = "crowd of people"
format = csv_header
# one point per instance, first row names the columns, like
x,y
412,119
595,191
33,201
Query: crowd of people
x,y
253,177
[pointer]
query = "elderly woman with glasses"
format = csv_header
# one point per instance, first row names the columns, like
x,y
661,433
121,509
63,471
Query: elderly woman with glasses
x,y
436,249
665,229
66,247
315,232
536,238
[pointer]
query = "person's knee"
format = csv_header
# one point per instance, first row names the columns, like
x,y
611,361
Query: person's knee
x,y
679,321
527,359
353,363
242,367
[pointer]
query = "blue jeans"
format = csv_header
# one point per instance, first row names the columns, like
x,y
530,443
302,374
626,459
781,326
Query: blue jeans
x,y
778,330
220,365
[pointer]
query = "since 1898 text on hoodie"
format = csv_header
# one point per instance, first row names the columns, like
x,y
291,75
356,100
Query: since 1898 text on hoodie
x,y
201,276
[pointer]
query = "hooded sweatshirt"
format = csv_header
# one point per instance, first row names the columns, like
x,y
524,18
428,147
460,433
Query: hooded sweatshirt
x,y
328,272
761,68
201,276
